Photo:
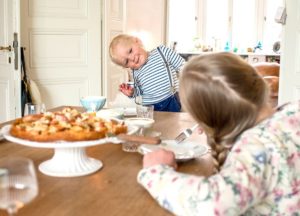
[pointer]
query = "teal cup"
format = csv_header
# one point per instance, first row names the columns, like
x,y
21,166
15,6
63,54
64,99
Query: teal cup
x,y
93,103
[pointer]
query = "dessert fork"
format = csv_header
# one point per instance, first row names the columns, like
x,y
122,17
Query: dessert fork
x,y
185,134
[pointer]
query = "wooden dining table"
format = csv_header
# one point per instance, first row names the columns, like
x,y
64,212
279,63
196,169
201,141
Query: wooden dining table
x,y
111,191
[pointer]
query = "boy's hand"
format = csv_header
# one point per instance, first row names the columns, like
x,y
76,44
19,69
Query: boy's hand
x,y
126,89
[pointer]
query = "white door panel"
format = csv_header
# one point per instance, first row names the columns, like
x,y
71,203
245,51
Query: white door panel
x,y
289,86
9,74
63,48
62,8
53,90
113,24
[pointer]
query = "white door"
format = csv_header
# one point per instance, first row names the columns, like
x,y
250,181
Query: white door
x,y
289,84
63,48
113,24
9,60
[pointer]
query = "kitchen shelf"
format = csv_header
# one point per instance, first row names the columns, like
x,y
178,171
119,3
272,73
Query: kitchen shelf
x,y
249,57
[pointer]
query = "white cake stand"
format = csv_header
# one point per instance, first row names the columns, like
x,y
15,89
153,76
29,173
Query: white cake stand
x,y
70,162
70,158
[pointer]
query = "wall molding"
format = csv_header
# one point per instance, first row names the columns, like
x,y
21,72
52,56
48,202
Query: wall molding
x,y
58,9
70,47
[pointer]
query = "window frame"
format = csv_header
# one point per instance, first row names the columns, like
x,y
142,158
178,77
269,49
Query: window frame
x,y
201,20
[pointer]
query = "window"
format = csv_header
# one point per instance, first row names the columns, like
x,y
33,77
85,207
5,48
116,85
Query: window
x,y
182,24
244,24
240,24
216,23
272,29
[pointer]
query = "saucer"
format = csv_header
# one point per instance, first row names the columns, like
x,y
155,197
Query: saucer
x,y
129,111
110,113
151,133
184,151
140,122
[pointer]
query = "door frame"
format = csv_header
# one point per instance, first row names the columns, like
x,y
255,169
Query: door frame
x,y
17,86
289,79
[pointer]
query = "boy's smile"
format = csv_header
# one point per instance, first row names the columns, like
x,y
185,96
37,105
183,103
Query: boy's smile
x,y
131,55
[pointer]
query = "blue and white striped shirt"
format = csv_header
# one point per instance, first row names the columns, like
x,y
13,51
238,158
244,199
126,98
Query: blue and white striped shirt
x,y
152,79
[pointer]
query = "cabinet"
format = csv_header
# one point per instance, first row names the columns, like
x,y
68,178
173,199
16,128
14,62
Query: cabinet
x,y
251,58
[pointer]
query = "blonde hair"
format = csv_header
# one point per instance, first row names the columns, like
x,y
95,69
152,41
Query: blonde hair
x,y
119,39
224,94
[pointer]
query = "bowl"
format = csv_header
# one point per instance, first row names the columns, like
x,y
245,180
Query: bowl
x,y
140,122
93,103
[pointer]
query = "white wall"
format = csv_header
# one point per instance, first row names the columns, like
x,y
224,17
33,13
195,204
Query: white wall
x,y
147,20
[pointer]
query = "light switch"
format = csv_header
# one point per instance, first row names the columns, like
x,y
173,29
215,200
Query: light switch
x,y
280,16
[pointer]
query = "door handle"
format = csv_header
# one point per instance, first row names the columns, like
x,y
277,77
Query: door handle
x,y
6,48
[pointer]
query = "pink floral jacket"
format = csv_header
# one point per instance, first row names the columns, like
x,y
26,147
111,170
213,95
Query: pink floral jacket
x,y
261,175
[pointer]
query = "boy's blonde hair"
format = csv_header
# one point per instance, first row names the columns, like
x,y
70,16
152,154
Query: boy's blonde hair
x,y
224,94
119,39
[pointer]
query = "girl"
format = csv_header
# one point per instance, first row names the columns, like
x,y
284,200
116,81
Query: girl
x,y
256,149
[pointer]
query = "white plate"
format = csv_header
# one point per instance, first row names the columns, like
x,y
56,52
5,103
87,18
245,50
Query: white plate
x,y
111,113
184,151
63,144
130,111
70,158
152,133
140,122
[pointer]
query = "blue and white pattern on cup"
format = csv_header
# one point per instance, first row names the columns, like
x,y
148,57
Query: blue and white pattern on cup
x,y
93,103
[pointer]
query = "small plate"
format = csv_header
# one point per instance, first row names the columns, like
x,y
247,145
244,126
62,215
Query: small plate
x,y
129,111
140,122
151,133
111,113
184,151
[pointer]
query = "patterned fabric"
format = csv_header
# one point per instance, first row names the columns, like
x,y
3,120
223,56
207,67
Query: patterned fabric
x,y
261,175
152,79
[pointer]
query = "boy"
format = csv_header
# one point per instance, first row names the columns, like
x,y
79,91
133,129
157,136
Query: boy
x,y
155,73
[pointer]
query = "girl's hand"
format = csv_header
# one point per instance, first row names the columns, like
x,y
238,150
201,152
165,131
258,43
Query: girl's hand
x,y
126,89
160,156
